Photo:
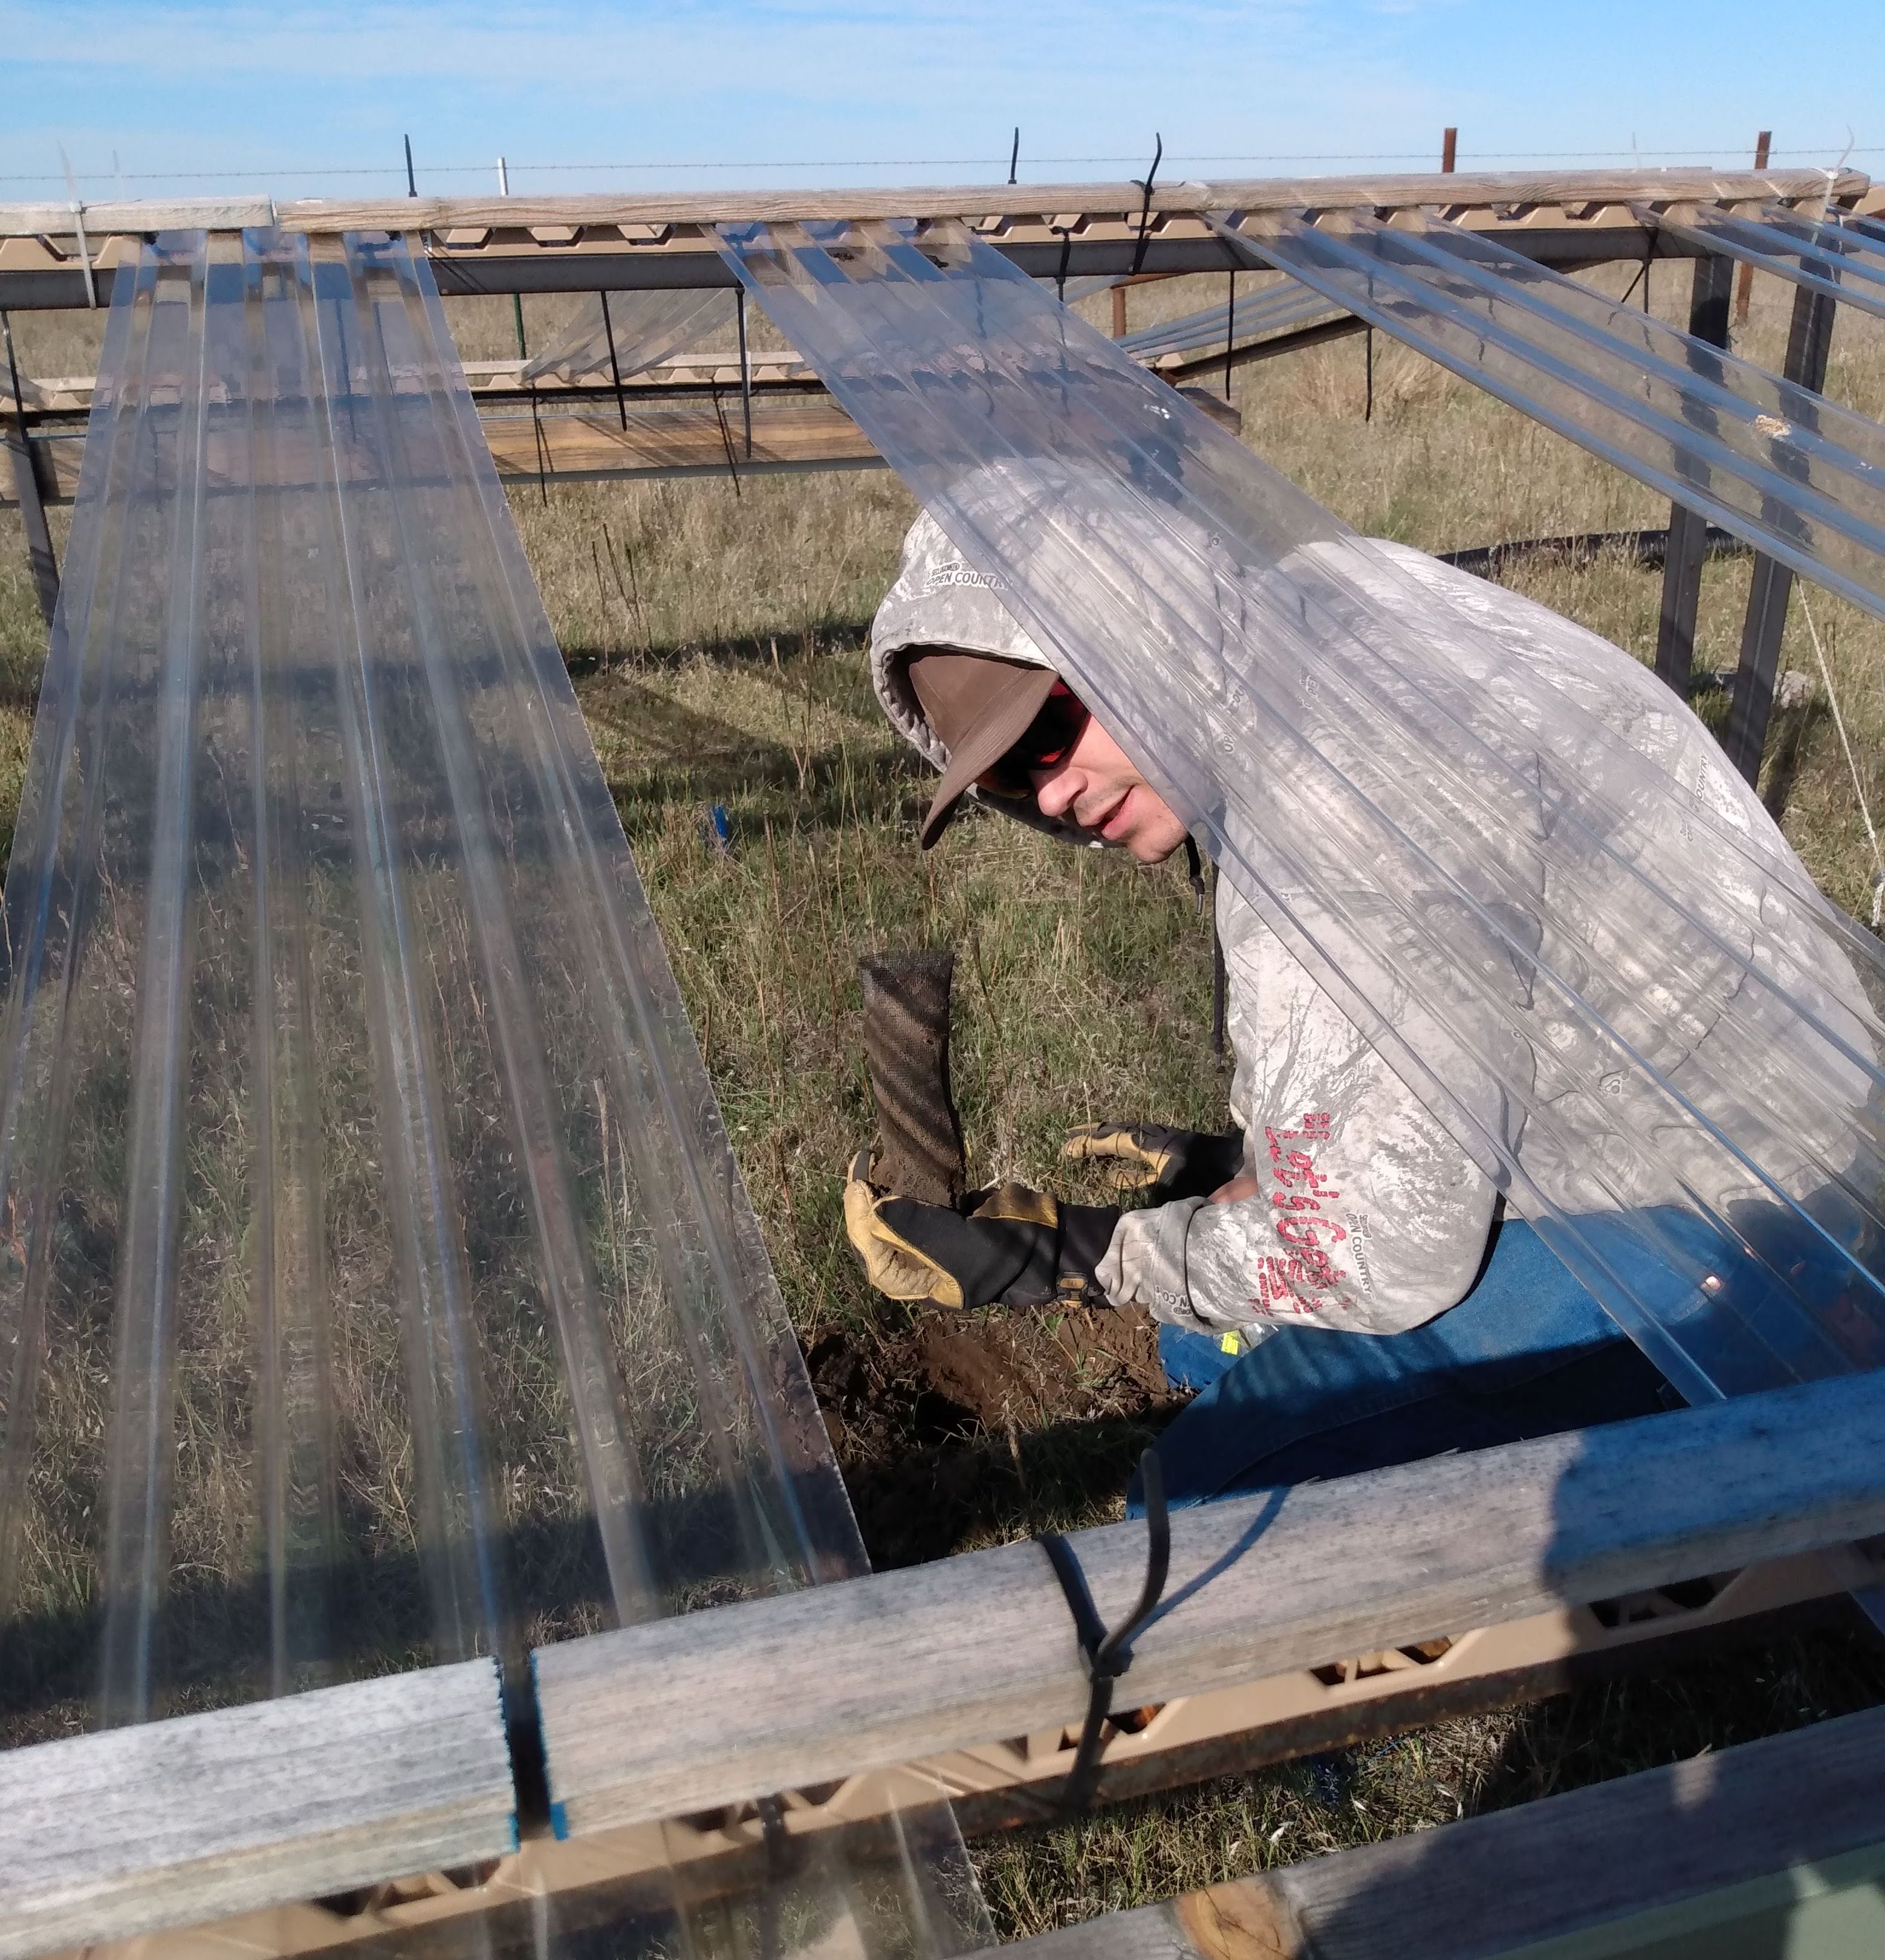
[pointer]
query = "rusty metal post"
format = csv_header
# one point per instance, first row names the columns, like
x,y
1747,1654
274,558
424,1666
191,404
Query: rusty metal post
x,y
1448,150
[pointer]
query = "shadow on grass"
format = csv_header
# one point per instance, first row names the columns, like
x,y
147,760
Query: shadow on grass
x,y
370,1610
678,754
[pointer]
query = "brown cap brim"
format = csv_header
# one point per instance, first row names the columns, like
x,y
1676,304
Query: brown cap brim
x,y
1006,698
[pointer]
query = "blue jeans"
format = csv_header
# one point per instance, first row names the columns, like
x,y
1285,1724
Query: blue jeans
x,y
1528,1352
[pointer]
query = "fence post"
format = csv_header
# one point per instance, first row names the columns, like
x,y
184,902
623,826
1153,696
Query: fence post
x,y
1688,530
30,491
1808,340
1745,285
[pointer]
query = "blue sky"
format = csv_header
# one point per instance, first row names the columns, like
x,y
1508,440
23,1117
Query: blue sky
x,y
310,99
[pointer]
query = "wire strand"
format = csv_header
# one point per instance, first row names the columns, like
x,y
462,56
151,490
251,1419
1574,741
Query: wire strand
x,y
1851,762
1705,152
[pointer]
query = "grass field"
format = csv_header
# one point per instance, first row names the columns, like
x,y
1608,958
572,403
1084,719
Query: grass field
x,y
716,638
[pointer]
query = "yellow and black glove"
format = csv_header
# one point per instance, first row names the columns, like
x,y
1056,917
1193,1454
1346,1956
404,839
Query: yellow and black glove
x,y
1139,1156
1011,1247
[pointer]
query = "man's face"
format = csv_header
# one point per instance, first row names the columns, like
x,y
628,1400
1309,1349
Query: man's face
x,y
1094,786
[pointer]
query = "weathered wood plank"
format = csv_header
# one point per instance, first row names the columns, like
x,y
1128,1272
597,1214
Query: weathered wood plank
x,y
709,208
765,1695
695,437
1696,1845
187,1820
45,218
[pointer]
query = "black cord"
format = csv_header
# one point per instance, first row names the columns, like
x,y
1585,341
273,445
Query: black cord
x,y
1145,209
726,438
1066,247
1108,1655
615,366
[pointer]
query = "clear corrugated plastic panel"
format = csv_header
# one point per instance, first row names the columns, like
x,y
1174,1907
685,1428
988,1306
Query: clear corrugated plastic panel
x,y
625,334
1635,1015
1775,463
1821,254
377,1285
1253,315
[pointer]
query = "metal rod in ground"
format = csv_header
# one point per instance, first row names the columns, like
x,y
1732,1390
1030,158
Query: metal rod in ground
x,y
1220,985
26,483
412,183
919,1152
1448,150
1229,333
1688,530
1014,155
746,370
615,367
1746,284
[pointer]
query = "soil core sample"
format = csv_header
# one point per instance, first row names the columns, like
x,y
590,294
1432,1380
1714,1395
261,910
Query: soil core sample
x,y
919,1151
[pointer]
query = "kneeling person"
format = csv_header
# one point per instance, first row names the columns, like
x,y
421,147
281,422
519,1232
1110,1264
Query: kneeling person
x,y
1336,1275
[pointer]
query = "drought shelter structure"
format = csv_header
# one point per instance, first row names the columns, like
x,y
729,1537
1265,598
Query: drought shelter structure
x,y
350,1109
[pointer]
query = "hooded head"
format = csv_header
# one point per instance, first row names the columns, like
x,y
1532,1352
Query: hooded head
x,y
957,673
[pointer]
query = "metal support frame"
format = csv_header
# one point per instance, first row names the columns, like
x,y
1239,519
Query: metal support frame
x,y
1809,340
1688,530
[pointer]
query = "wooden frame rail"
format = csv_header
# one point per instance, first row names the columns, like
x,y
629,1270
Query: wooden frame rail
x,y
1773,1847
680,1717
864,1686
55,254
177,1821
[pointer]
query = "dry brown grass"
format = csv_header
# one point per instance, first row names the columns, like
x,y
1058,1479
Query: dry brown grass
x,y
716,641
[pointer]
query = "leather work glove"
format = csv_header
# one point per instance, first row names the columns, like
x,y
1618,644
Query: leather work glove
x,y
1181,1163
1014,1248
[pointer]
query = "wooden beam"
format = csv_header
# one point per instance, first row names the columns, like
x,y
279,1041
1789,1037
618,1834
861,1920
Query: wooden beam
x,y
1689,530
1205,364
1809,338
613,241
717,207
796,434
1744,286
1697,1848
179,1821
679,1716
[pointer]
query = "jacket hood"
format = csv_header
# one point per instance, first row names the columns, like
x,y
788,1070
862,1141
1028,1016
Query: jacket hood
x,y
941,601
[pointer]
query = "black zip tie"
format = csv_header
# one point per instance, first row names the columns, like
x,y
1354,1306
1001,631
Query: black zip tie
x,y
1107,1655
1145,209
1194,872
